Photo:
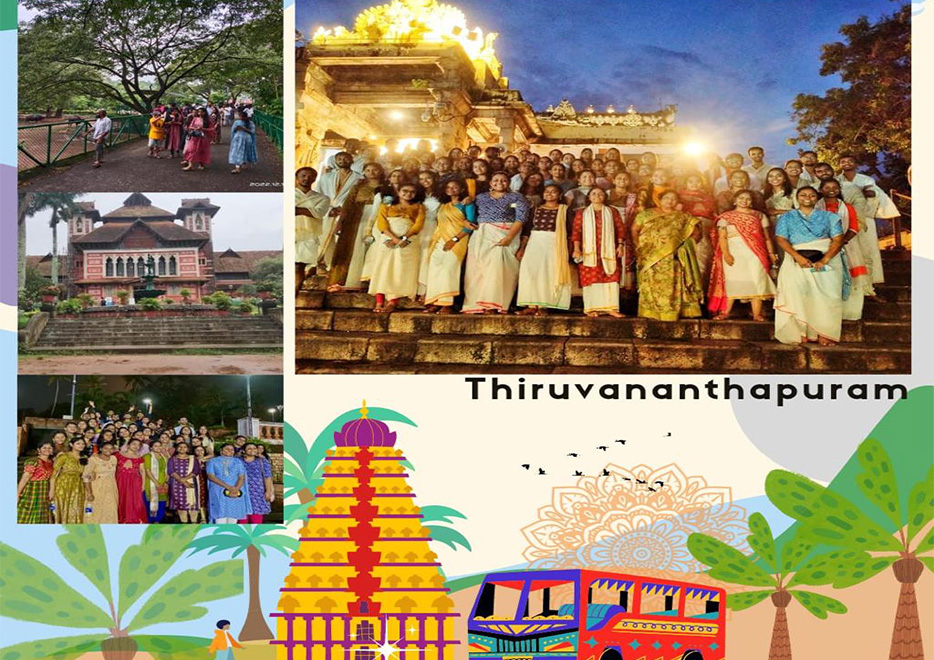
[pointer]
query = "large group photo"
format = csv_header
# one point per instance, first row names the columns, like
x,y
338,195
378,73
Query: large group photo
x,y
149,450
186,97
452,226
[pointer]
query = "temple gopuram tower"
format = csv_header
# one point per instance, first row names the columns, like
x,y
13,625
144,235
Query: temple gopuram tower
x,y
364,581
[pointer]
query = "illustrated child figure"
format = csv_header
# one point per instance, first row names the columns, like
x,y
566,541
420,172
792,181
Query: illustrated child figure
x,y
224,643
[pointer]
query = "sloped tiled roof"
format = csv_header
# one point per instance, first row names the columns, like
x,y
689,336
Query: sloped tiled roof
x,y
166,230
136,206
243,261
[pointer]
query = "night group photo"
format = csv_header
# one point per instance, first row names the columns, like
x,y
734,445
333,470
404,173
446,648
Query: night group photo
x,y
653,215
148,450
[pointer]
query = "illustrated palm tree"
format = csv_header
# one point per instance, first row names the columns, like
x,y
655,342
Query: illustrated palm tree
x,y
304,466
254,540
777,571
900,533
33,591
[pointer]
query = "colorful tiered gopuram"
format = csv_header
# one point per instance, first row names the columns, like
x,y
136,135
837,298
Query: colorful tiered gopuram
x,y
364,581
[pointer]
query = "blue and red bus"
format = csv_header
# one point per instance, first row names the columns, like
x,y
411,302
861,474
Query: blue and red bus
x,y
595,615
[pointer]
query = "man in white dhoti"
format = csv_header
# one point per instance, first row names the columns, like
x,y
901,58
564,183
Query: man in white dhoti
x,y
336,184
311,208
812,281
870,203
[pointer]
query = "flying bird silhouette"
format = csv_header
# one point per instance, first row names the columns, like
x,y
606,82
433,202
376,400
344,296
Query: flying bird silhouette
x,y
578,473
526,466
668,435
640,481
541,471
622,442
602,447
606,473
573,455
652,489
626,479
660,483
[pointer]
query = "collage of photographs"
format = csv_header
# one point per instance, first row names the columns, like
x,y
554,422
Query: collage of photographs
x,y
600,342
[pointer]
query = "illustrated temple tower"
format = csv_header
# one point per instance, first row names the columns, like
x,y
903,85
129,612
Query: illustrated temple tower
x,y
364,581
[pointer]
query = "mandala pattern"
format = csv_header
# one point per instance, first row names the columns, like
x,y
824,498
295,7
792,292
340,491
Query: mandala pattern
x,y
617,523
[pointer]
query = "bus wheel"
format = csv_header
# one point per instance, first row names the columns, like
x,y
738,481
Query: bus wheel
x,y
611,654
692,655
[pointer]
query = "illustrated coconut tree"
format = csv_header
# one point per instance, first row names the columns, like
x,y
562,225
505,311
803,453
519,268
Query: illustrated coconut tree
x,y
254,540
897,535
778,573
32,591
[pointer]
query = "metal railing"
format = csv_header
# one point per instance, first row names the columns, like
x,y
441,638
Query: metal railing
x,y
271,126
47,144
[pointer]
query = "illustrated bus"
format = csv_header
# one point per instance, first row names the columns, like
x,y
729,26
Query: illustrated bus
x,y
594,615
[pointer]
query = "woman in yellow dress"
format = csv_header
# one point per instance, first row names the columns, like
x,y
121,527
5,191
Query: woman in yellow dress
x,y
66,489
670,283
100,486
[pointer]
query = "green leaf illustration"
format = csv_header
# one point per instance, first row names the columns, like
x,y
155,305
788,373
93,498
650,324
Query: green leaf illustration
x,y
727,563
761,539
842,568
746,599
795,551
829,518
921,505
34,592
928,562
144,563
169,647
448,536
438,513
817,604
877,481
177,599
927,543
84,548
59,648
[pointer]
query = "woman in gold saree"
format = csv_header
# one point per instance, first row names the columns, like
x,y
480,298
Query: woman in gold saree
x,y
448,248
670,283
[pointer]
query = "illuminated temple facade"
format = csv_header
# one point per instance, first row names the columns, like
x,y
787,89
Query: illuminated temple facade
x,y
415,69
364,582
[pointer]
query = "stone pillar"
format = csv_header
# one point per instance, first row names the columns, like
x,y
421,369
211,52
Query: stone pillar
x,y
507,130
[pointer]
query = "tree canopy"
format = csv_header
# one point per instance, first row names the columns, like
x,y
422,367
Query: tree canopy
x,y
870,115
128,54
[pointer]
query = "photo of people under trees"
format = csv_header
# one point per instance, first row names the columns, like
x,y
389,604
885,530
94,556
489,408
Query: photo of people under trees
x,y
148,450
183,96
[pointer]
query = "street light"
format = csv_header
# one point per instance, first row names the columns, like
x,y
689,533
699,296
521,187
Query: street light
x,y
272,411
148,403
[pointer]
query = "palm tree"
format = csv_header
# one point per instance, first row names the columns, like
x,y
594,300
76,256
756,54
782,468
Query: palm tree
x,y
37,593
730,565
254,541
827,517
62,205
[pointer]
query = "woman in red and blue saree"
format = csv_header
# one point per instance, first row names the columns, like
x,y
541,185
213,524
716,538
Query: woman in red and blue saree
x,y
861,285
743,260
813,281
492,270
228,492
184,493
599,237
544,271
670,284
32,491
259,484
448,248
697,201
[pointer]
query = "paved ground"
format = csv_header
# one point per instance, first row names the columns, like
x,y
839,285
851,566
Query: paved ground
x,y
121,365
127,168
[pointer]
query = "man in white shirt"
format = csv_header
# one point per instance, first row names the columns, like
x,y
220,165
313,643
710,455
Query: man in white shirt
x,y
808,160
336,184
758,168
311,209
101,130
734,162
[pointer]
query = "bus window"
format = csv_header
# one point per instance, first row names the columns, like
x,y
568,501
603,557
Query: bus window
x,y
702,604
660,599
605,599
499,600
550,599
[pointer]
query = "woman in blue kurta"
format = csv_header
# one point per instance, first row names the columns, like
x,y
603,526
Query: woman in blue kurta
x,y
228,490
813,281
259,484
242,143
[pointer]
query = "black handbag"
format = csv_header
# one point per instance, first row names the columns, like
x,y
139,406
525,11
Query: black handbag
x,y
196,134
811,255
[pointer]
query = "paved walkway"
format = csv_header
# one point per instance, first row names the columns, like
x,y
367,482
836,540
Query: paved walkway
x,y
127,168
121,365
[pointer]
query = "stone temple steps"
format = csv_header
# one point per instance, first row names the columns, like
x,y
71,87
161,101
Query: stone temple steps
x,y
338,332
135,334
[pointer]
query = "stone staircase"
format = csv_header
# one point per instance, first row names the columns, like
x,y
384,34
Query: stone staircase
x,y
159,334
339,333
